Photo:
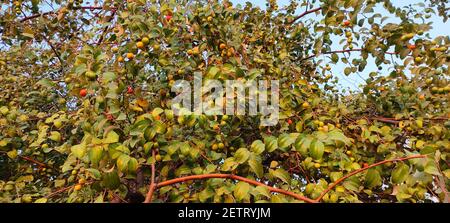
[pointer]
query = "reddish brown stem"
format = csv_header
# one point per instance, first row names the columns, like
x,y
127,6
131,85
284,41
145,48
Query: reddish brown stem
x,y
113,13
53,12
153,186
304,14
341,51
235,177
33,161
363,169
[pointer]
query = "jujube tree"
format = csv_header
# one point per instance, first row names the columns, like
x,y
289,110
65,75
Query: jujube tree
x,y
86,112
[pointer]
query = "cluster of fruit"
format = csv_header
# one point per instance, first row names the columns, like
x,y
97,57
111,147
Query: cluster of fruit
x,y
17,6
81,181
348,35
226,51
440,90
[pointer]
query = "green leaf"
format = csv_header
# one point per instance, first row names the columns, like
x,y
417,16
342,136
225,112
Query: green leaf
x,y
400,173
94,173
229,164
372,178
334,176
111,137
316,149
205,194
95,154
257,147
430,168
122,162
261,190
302,144
256,166
241,155
271,143
109,76
286,140
213,71
282,175
132,165
241,190
337,135
78,150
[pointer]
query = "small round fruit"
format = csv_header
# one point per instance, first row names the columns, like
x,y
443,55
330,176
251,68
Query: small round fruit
x,y
145,40
140,45
120,59
77,187
81,181
421,97
83,92
317,165
222,46
57,124
273,164
352,159
156,46
221,145
74,172
348,152
305,105
158,158
214,147
365,165
168,18
26,199
418,59
130,56
224,117
91,74
412,47
209,19
289,121
346,23
115,49
130,90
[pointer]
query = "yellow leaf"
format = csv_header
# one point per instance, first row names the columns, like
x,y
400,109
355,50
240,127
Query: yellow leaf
x,y
12,154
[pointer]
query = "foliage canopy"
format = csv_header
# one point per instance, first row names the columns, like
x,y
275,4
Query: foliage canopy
x,y
85,102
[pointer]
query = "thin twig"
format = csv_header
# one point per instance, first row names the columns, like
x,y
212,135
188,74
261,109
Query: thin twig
x,y
235,177
304,14
363,169
152,187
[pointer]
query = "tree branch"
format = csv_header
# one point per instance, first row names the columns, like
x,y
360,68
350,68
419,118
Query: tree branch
x,y
106,28
341,51
363,169
304,14
235,177
153,186
396,121
53,12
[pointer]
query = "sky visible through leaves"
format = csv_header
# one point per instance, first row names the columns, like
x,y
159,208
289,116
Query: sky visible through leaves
x,y
354,80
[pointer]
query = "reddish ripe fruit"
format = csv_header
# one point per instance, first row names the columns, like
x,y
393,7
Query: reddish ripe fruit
x,y
289,121
168,17
83,92
412,47
130,90
365,165
109,117
346,23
